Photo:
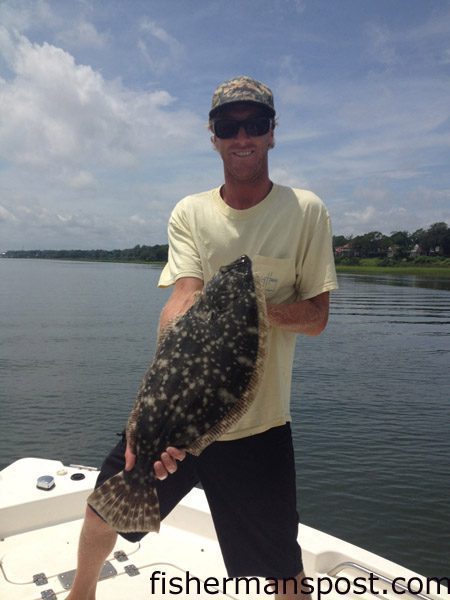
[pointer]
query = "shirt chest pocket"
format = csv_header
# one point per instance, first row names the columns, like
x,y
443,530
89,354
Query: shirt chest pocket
x,y
277,276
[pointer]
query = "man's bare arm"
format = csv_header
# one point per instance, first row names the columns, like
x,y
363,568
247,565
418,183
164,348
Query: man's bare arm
x,y
181,299
308,317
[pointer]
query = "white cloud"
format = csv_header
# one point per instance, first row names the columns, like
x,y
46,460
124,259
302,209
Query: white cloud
x,y
57,110
285,176
363,216
22,14
402,174
7,216
381,209
82,34
161,34
161,50
65,228
70,139
138,220
81,180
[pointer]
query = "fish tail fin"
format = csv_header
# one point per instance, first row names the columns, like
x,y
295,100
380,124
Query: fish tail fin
x,y
127,506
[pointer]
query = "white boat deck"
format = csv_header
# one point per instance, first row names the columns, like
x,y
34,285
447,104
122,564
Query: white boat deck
x,y
39,537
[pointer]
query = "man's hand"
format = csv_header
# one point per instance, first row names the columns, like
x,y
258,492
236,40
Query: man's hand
x,y
163,467
168,462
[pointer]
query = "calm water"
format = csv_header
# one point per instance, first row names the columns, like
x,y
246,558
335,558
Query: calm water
x,y
370,395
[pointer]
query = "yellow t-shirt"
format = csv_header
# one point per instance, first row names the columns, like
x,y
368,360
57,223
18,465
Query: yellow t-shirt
x,y
288,238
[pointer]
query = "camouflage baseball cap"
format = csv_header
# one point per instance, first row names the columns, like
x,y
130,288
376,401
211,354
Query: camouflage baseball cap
x,y
242,89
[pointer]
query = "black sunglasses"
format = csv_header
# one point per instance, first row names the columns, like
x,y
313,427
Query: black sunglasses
x,y
254,127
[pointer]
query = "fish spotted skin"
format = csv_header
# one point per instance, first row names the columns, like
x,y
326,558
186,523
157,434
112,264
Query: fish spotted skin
x,y
203,378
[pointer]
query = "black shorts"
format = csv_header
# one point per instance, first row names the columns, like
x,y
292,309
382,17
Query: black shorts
x,y
250,487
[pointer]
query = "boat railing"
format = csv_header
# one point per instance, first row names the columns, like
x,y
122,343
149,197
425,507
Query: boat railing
x,y
394,583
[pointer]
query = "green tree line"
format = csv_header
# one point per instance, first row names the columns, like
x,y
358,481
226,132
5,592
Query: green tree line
x,y
139,253
399,245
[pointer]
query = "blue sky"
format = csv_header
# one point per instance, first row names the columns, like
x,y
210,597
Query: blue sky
x,y
103,111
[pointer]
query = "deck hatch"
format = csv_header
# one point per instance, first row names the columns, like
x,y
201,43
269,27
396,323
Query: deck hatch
x,y
67,578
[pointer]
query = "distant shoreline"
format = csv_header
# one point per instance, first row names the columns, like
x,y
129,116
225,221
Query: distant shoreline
x,y
429,270
434,272
89,260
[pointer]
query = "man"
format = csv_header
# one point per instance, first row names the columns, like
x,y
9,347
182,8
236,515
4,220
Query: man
x,y
249,474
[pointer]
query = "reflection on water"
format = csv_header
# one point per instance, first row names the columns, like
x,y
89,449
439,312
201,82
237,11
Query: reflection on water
x,y
370,395
403,280
371,414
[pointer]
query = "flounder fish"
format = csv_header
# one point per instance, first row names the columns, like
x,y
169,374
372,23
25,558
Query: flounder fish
x,y
203,378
